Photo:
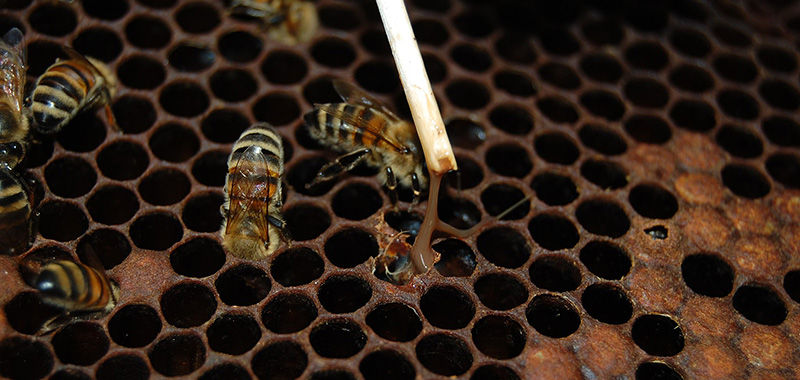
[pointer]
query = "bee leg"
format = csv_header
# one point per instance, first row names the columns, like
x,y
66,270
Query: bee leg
x,y
391,184
342,164
281,226
111,119
416,188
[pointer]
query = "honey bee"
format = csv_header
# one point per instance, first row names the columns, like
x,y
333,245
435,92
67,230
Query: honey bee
x,y
286,21
15,213
14,122
70,86
369,132
253,225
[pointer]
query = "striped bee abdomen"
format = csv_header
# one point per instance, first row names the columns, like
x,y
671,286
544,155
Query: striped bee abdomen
x,y
333,130
74,286
15,214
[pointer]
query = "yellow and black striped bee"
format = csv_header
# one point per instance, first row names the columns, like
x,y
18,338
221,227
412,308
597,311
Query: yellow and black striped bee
x,y
13,113
286,21
252,224
370,133
15,213
70,86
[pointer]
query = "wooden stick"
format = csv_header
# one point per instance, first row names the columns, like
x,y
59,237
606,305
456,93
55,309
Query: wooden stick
x,y
427,118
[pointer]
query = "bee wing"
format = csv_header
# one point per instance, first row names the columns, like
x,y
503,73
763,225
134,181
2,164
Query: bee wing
x,y
13,59
92,259
360,123
250,190
353,95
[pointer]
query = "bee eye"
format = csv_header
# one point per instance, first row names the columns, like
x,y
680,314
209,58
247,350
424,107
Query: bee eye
x,y
11,153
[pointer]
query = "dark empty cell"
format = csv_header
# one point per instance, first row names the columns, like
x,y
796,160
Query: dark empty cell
x,y
647,55
647,17
785,168
306,222
199,257
499,337
81,343
375,42
603,139
559,41
22,358
42,54
377,76
656,371
100,43
430,32
553,316
350,247
70,177
606,260
560,75
297,266
188,304
26,312
129,367
505,247
729,35
465,133
338,338
105,9
690,42
447,307
233,334
226,371
745,181
515,48
386,365
280,360
223,126
554,189
500,291
339,17
69,374
557,109
468,94
148,32
122,160
191,57
110,246
555,273
514,83
320,90
284,67
333,52
445,355
499,198
512,119
691,10
647,93
436,69
657,335
653,201
17,4
457,258
395,321
134,326
276,108
691,78
602,68
602,217
739,141
494,372
735,68
198,17
779,94
469,174
62,221
781,131
791,283
288,313
134,114
233,85
356,201
603,32
112,205
695,115
344,294
777,59
164,187
603,104
184,99
84,133
607,303
303,172
156,231
707,274
556,148
509,160
473,23
201,212
53,19
239,46
177,354
471,57
737,104
243,285
174,143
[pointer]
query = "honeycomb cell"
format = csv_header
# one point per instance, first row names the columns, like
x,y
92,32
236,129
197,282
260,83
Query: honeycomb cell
x,y
458,212
779,94
436,69
560,75
457,258
201,212
791,283
243,285
735,68
276,108
17,4
112,205
553,232
602,217
606,260
653,201
80,343
447,307
233,85
707,274
303,172
444,355
284,67
344,293
729,35
657,335
198,257
148,32
42,54
356,201
691,78
607,303
465,133
737,104
514,83
776,58
558,109
690,42
553,316
226,371
164,187
375,42
27,313
601,67
105,9
156,231
97,42
656,371
603,104
377,76
499,337
395,321
386,365
430,32
515,48
84,133
509,160
760,304
280,360
739,141
647,17
554,189
23,358
473,23
174,142
178,354
647,55
652,129
239,46
188,305
62,221
555,273
111,247
122,160
500,291
471,57
123,366
603,32
745,181
297,266
70,374
184,99
134,325
337,338
198,18
467,94
350,247
191,57
607,175
339,17
469,174
224,125
646,93
306,221
603,139
233,334
512,119
781,131
288,313
556,148
499,198
333,52
53,19
69,176
559,41
503,246
134,114
494,372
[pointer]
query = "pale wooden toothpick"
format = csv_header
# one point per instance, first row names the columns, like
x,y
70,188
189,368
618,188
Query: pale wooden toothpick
x,y
414,77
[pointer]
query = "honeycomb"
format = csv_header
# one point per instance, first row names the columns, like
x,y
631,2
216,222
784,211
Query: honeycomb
x,y
660,139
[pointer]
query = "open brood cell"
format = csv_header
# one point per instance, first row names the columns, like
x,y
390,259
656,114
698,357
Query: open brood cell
x,y
660,141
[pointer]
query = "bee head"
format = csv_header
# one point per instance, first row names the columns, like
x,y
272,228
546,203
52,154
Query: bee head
x,y
11,153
